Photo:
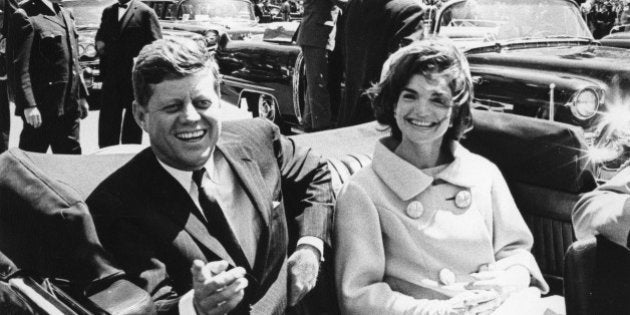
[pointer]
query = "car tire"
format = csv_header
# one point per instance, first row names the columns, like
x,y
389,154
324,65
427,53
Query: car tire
x,y
299,88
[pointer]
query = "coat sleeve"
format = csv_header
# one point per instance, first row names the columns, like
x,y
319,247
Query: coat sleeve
x,y
605,211
512,239
21,40
307,187
134,250
101,32
360,261
154,31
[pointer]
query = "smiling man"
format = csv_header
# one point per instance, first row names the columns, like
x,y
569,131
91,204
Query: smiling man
x,y
199,219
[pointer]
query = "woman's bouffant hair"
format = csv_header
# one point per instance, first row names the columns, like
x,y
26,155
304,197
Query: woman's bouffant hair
x,y
428,57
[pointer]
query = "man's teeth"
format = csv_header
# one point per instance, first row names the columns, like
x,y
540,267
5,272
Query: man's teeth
x,y
190,135
421,123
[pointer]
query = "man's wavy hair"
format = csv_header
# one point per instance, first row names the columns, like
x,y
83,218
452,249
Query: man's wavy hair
x,y
428,57
167,59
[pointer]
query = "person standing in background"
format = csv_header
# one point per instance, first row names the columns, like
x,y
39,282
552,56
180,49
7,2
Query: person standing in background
x,y
316,37
8,7
374,29
126,26
46,77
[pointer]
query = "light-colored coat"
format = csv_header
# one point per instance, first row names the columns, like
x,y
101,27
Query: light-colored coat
x,y
606,210
383,254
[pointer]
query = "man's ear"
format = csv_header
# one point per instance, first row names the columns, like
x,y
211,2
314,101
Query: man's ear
x,y
139,114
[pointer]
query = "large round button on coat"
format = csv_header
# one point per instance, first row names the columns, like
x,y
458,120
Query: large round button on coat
x,y
446,276
463,199
415,209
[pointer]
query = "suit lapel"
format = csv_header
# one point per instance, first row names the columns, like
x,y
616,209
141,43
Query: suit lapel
x,y
69,22
248,173
128,14
173,201
49,14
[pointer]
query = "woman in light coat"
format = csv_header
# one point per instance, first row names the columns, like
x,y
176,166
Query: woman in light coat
x,y
428,227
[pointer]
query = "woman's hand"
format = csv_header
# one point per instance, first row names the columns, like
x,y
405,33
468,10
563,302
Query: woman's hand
x,y
475,302
503,281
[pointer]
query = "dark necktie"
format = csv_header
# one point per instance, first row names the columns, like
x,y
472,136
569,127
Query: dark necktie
x,y
217,223
123,5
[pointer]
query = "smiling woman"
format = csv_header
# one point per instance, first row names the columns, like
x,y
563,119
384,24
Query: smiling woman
x,y
404,224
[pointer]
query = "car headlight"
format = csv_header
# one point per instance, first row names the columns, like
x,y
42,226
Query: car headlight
x,y
81,50
90,51
585,104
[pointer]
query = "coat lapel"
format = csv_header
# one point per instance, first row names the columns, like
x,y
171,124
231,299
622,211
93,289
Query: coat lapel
x,y
246,169
49,14
173,201
128,14
69,22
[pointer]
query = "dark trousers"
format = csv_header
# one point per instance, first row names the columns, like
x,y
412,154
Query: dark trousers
x,y
60,133
117,95
5,117
317,111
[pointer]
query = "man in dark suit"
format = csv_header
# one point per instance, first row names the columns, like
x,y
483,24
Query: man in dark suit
x,y
316,38
8,7
46,77
374,29
215,192
126,26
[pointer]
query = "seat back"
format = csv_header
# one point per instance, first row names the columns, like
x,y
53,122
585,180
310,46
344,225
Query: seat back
x,y
47,230
546,167
597,278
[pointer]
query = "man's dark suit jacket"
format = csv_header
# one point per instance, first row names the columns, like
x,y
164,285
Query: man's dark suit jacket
x,y
45,73
316,24
374,29
150,224
123,39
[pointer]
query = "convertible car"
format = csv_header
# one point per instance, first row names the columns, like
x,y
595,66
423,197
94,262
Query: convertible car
x,y
534,58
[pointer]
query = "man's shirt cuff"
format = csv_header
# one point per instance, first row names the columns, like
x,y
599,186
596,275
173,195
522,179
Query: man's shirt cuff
x,y
313,241
185,304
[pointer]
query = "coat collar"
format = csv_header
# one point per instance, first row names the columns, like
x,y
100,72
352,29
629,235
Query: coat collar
x,y
408,181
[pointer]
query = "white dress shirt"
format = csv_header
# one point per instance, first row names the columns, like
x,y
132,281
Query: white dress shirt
x,y
122,11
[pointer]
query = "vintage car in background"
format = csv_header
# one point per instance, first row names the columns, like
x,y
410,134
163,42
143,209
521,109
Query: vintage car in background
x,y
87,15
267,73
619,37
213,19
535,58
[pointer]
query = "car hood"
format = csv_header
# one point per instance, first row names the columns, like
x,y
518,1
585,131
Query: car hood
x,y
570,57
235,30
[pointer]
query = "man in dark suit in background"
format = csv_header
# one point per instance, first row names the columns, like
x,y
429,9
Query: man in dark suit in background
x,y
46,77
8,7
317,40
374,29
207,191
126,26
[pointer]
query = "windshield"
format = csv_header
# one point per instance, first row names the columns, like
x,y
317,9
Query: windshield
x,y
87,12
203,10
491,20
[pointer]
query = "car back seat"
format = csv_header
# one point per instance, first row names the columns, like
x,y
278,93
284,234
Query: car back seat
x,y
47,231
